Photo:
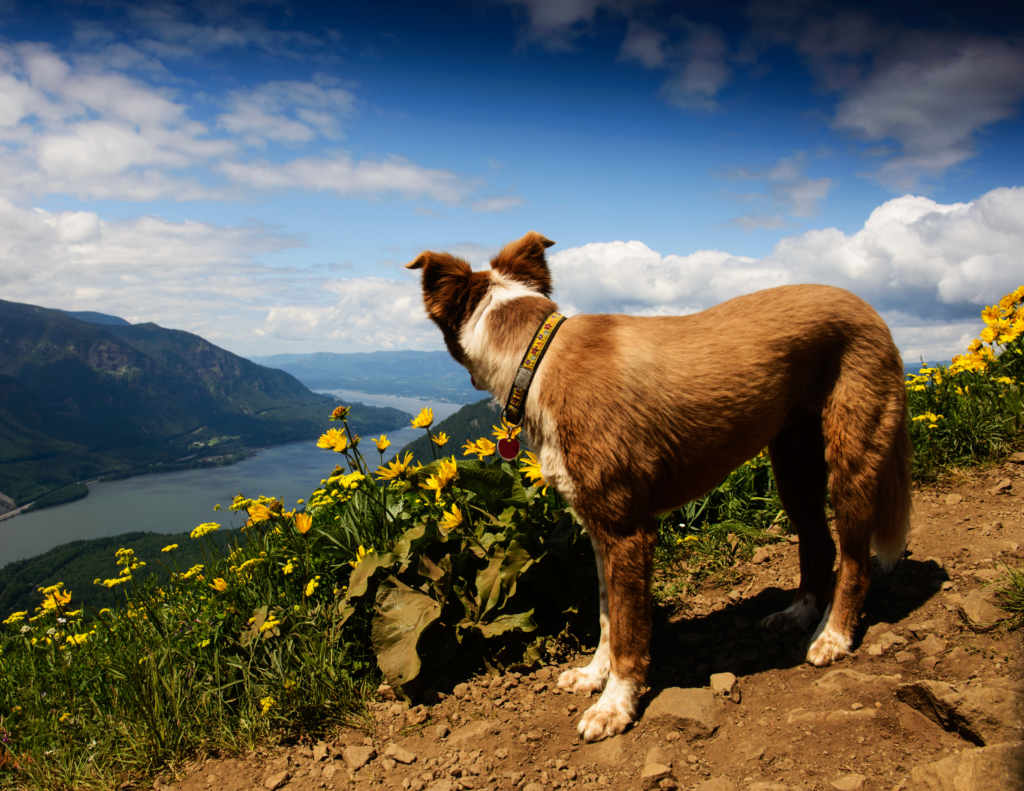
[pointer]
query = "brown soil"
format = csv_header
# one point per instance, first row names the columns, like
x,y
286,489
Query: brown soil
x,y
785,733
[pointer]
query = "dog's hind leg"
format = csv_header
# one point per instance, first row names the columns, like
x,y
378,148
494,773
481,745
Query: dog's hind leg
x,y
798,461
593,677
628,564
869,462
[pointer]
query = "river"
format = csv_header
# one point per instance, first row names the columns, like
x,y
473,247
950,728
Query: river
x,y
177,501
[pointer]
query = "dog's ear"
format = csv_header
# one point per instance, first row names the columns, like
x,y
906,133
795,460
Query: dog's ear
x,y
524,260
445,281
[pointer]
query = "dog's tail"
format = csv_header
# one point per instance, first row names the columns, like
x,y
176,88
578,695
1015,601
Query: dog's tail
x,y
893,495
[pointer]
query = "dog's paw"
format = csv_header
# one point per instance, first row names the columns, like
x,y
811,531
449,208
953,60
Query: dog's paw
x,y
583,680
799,616
612,714
828,647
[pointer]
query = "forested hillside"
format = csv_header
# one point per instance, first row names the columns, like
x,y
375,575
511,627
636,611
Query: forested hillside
x,y
80,399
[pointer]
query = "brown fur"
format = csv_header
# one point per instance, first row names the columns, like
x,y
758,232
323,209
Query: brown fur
x,y
647,414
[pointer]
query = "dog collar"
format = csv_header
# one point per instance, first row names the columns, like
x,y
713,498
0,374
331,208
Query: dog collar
x,y
515,404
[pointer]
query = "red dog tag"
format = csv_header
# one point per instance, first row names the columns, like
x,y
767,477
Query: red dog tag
x,y
508,448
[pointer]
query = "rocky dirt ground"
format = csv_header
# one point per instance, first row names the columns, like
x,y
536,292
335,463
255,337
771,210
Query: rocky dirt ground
x,y
930,699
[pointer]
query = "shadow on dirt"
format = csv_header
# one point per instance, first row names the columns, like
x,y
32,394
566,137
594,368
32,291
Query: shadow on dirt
x,y
686,651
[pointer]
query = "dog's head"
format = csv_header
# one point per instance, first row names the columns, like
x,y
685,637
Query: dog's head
x,y
452,290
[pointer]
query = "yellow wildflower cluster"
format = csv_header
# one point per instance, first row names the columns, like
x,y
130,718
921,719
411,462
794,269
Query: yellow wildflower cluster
x,y
446,473
1004,323
531,469
441,439
334,439
204,528
398,469
53,599
451,519
425,419
931,418
383,443
340,413
311,586
500,432
337,489
483,447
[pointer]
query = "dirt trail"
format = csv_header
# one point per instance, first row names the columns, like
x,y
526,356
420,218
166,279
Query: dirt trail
x,y
922,687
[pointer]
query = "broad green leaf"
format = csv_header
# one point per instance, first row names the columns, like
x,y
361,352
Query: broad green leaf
x,y
403,613
520,622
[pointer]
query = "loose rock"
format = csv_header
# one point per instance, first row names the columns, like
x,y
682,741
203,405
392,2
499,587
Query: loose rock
x,y
276,780
358,757
983,715
981,611
653,774
472,731
690,711
973,770
851,782
400,754
417,715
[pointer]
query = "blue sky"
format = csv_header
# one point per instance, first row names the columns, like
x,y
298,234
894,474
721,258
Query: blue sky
x,y
257,173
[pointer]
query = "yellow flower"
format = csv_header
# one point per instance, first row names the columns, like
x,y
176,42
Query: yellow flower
x,y
383,443
204,528
446,473
114,582
500,432
311,586
530,467
991,314
77,639
340,412
334,439
219,585
394,469
169,548
360,554
192,572
303,522
269,624
440,439
267,703
425,419
288,567
482,447
14,617
451,519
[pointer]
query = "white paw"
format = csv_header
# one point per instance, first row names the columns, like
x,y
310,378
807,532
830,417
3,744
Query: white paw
x,y
583,680
800,615
611,714
828,648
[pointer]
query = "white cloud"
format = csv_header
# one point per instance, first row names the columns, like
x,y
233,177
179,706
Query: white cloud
x,y
699,69
93,132
929,266
644,45
496,203
788,191
932,99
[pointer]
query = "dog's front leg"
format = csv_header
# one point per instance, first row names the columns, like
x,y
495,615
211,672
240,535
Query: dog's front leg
x,y
627,563
593,677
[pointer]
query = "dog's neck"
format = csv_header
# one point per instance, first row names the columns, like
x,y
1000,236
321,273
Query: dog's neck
x,y
499,331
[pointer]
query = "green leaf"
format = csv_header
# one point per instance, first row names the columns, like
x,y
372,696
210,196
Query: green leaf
x,y
489,484
403,613
519,622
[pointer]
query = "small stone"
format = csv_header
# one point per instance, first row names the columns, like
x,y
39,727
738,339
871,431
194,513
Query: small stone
x,y
501,753
668,784
400,754
1002,487
358,757
417,715
856,706
389,764
539,687
534,736
722,684
722,783
903,656
472,731
760,556
440,731
954,499
461,690
386,692
981,611
321,751
656,755
929,662
533,787
276,780
397,709
931,645
851,782
653,774
973,770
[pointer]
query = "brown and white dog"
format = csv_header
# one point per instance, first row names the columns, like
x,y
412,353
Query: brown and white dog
x,y
635,416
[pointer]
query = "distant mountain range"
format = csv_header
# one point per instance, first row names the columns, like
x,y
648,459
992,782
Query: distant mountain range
x,y
433,375
85,395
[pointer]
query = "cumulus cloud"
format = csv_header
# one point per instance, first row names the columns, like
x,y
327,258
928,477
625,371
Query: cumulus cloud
x,y
929,267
